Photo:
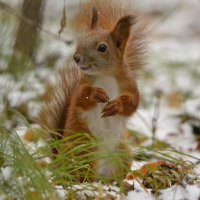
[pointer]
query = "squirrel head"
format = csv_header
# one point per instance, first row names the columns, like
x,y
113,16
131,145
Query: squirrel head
x,y
101,51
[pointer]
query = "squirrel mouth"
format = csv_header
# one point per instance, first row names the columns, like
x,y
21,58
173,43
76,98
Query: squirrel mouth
x,y
85,68
89,67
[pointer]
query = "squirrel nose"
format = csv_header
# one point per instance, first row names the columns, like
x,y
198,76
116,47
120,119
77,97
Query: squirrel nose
x,y
77,58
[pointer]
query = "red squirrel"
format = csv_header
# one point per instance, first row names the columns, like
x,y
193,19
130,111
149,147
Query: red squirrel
x,y
100,92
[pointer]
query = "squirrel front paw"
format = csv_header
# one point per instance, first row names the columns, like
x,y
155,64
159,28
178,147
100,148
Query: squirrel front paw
x,y
87,97
111,109
125,105
99,95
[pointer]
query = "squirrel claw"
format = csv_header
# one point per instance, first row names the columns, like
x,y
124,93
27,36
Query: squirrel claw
x,y
111,109
100,95
108,114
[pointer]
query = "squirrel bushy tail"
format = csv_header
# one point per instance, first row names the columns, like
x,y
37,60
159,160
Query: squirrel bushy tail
x,y
54,109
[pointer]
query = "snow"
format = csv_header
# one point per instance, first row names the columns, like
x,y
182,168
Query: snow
x,y
6,173
173,67
177,192
61,192
181,192
138,195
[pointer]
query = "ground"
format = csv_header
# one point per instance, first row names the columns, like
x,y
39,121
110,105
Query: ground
x,y
165,127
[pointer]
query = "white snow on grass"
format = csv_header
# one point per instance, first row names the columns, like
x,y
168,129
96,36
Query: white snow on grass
x,y
173,68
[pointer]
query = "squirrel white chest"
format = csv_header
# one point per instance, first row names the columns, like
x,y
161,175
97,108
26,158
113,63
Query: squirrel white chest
x,y
109,84
109,129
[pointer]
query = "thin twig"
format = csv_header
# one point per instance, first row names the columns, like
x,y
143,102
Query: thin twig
x,y
156,116
30,22
63,21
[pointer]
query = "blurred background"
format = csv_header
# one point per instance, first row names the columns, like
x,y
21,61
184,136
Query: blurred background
x,y
31,48
36,39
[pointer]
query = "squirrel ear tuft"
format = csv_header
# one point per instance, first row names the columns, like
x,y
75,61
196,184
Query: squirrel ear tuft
x,y
95,17
122,30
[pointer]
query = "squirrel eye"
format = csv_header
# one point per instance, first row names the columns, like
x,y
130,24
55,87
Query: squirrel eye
x,y
102,48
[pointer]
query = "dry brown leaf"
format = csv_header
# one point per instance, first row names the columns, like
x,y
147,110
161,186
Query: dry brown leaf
x,y
63,22
149,167
174,100
31,136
